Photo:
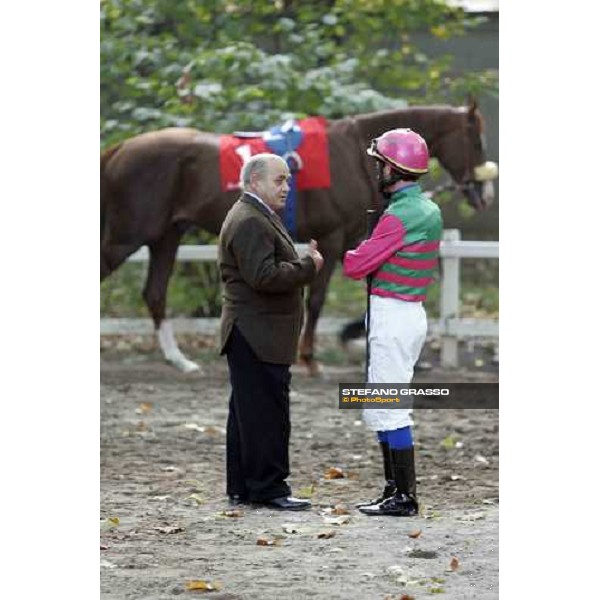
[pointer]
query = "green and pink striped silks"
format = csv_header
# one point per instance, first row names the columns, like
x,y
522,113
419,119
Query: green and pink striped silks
x,y
402,253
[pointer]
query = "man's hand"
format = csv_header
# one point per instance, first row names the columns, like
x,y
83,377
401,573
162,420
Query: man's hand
x,y
315,255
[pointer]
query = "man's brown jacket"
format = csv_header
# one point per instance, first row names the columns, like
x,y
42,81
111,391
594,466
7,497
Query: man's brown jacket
x,y
262,279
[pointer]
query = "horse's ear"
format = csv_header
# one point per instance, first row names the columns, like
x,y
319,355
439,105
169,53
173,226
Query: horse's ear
x,y
472,104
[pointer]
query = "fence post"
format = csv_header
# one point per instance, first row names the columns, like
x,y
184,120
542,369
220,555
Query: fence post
x,y
450,302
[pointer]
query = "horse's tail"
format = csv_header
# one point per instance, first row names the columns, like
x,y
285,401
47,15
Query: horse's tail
x,y
104,159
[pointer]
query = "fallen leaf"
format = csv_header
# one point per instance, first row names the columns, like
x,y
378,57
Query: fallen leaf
x,y
454,563
213,430
196,498
325,535
394,570
341,520
261,541
406,597
448,442
437,590
144,408
292,528
232,513
434,514
397,574
415,534
472,517
340,510
334,473
194,483
107,564
109,523
194,427
306,492
169,529
202,586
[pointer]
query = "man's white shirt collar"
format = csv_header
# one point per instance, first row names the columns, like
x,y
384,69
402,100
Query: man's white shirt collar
x,y
261,201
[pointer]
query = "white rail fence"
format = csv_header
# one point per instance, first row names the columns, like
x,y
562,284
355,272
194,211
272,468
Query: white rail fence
x,y
450,327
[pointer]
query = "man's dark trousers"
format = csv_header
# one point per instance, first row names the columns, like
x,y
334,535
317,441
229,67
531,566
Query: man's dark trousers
x,y
258,425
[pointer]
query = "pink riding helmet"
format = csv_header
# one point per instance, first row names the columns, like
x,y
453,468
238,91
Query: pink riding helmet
x,y
402,149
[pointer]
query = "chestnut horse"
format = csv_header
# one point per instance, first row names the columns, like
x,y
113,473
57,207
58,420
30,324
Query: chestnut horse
x,y
154,186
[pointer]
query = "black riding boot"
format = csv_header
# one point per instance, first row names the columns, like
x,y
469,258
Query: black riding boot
x,y
404,502
390,485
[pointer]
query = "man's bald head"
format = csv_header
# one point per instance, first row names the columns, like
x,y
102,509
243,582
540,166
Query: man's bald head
x,y
267,175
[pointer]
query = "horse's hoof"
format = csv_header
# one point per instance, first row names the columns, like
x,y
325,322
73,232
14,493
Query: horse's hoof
x,y
314,370
312,366
190,367
185,365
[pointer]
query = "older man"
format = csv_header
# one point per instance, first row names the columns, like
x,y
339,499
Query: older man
x,y
262,278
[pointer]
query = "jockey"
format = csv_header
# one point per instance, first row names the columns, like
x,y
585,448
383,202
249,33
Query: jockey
x,y
401,255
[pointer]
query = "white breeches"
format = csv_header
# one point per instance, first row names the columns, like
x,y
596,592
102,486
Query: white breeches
x,y
397,333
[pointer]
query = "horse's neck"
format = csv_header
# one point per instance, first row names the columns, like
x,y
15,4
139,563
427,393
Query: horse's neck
x,y
428,121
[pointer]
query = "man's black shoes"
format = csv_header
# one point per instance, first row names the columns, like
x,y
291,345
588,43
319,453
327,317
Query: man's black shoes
x,y
285,503
281,503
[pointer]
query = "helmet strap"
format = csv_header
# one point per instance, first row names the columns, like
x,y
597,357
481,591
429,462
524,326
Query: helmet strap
x,y
385,181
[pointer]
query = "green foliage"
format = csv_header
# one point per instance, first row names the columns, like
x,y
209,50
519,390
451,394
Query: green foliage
x,y
226,65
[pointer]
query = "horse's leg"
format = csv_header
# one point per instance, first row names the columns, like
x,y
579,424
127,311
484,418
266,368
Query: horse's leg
x,y
162,259
331,247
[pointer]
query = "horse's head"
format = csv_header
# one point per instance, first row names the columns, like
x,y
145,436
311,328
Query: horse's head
x,y
460,148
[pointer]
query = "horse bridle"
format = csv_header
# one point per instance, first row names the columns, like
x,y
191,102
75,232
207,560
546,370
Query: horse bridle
x,y
466,184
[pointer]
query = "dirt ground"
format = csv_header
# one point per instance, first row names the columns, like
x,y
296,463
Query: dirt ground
x,y
164,520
